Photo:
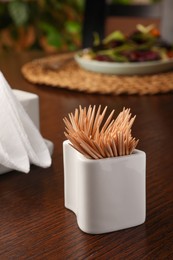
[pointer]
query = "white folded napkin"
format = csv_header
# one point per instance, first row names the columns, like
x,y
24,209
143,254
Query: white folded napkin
x,y
20,141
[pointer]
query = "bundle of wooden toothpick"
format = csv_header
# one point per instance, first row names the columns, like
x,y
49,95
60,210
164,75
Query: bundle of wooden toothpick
x,y
96,137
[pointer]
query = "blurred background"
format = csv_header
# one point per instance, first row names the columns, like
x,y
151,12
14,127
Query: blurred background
x,y
49,25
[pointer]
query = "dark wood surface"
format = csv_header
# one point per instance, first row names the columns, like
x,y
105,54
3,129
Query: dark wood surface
x,y
34,223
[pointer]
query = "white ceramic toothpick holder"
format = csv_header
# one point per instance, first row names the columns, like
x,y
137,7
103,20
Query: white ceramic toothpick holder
x,y
106,194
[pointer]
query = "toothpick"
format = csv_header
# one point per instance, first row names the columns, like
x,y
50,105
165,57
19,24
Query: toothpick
x,y
84,131
107,121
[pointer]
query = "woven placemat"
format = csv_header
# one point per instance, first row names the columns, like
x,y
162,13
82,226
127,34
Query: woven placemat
x,y
62,71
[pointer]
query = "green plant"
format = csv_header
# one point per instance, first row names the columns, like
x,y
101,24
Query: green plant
x,y
51,25
41,24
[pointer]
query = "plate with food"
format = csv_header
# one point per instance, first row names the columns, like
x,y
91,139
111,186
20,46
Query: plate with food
x,y
142,52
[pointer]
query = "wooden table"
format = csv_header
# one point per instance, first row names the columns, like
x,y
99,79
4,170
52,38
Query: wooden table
x,y
34,224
